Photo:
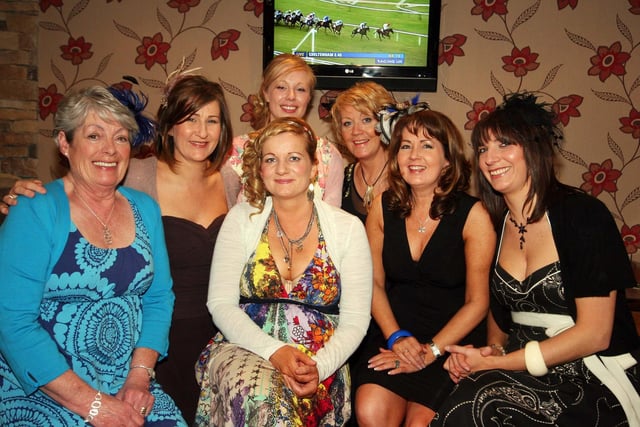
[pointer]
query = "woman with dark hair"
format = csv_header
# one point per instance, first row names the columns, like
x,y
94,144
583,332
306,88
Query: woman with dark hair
x,y
561,340
431,246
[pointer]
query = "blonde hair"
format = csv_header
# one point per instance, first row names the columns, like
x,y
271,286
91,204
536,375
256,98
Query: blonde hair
x,y
254,189
279,66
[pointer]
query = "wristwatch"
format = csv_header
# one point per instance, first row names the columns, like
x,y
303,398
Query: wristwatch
x,y
150,371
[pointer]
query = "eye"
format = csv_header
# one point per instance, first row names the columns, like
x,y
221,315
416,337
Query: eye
x,y
302,89
427,145
367,120
405,146
295,158
482,149
346,124
93,137
268,159
122,139
214,120
280,87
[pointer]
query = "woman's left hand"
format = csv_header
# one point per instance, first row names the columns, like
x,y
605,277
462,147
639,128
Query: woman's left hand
x,y
391,361
135,392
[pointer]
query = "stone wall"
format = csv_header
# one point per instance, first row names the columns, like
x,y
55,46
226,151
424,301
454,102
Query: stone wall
x,y
18,90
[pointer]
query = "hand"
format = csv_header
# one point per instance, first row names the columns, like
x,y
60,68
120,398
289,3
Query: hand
x,y
463,360
300,371
410,351
391,361
135,392
22,187
115,412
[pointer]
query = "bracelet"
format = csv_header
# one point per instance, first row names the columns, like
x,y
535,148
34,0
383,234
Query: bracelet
x,y
533,359
150,371
499,348
434,349
400,333
95,407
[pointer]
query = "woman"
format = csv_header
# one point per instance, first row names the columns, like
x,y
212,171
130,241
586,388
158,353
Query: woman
x,y
557,292
431,246
86,299
194,193
354,120
290,291
286,91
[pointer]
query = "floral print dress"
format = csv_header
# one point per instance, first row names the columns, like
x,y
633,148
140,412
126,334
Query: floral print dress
x,y
239,388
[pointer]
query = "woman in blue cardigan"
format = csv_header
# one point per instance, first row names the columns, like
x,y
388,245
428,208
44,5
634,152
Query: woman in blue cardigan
x,y
85,295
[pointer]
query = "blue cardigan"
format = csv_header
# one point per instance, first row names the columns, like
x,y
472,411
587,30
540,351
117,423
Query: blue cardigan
x,y
32,239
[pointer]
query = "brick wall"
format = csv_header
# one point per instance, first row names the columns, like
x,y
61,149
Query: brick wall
x,y
18,90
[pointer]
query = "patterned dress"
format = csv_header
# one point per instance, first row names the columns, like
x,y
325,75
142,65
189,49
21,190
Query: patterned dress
x,y
92,307
240,388
569,395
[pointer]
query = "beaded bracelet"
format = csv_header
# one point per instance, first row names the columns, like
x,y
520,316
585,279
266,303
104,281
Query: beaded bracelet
x,y
400,333
95,406
533,359
500,348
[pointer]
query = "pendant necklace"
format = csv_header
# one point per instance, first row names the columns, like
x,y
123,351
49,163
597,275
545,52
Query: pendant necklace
x,y
522,228
106,231
298,243
368,194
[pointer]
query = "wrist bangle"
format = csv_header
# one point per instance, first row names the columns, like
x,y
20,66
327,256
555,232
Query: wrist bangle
x,y
95,407
150,371
434,349
500,348
533,359
400,333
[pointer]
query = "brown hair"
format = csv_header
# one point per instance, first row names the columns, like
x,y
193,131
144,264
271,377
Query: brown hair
x,y
254,189
189,94
280,65
454,177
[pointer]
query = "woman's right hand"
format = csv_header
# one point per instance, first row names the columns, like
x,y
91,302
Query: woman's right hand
x,y
22,187
299,370
115,412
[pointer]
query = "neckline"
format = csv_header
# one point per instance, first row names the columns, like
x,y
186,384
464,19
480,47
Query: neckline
x,y
531,275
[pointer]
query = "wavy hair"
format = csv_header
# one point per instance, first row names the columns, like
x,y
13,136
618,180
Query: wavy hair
x,y
523,121
188,95
279,66
254,189
455,177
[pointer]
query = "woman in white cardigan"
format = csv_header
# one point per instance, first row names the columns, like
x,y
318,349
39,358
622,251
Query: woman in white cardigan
x,y
290,291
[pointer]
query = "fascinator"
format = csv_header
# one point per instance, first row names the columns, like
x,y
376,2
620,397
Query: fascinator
x,y
174,77
136,103
391,113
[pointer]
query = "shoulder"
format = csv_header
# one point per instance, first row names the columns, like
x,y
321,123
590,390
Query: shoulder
x,y
573,205
141,199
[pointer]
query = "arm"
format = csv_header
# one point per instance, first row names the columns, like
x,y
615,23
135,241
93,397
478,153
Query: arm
x,y
333,174
23,187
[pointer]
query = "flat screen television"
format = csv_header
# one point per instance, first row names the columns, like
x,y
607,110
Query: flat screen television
x,y
394,43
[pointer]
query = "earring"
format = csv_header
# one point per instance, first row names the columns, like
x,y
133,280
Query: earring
x,y
310,191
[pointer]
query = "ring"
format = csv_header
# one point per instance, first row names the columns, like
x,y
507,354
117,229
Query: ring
x,y
397,365
12,196
143,410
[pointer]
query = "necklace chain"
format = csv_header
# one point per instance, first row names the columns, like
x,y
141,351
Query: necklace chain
x,y
298,243
106,231
368,194
422,225
522,228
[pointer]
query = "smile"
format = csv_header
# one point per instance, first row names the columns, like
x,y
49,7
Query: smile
x,y
288,108
500,171
105,164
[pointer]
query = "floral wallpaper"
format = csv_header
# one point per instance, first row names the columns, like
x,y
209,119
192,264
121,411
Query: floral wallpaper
x,y
580,56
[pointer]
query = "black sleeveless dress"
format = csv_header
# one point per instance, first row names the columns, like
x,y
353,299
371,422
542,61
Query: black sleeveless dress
x,y
423,295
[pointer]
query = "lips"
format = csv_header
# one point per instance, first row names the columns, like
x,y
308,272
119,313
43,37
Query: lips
x,y
498,172
289,109
105,164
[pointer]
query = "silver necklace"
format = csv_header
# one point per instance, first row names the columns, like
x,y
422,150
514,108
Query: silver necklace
x,y
298,243
368,194
106,231
422,225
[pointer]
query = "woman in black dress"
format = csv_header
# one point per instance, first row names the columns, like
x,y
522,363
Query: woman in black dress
x,y
431,245
558,309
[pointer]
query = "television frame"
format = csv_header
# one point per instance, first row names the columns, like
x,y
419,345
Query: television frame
x,y
421,78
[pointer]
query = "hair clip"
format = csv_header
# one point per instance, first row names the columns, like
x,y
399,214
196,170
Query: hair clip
x,y
173,78
136,104
391,113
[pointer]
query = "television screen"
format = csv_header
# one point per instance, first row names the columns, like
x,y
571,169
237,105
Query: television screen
x,y
390,41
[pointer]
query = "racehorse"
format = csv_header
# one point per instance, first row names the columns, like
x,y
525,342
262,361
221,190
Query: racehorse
x,y
324,24
337,27
362,31
380,33
309,22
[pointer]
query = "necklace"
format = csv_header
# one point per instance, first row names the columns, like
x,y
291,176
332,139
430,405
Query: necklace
x,y
298,243
422,225
106,232
522,228
368,194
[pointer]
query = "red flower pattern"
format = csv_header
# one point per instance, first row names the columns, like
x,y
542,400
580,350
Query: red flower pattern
x,y
520,62
564,3
48,100
45,4
566,107
635,7
153,50
631,238
256,5
487,8
601,177
247,109
450,47
76,51
480,109
183,6
223,43
609,60
631,124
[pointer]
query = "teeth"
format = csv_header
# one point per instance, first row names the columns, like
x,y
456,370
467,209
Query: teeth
x,y
416,168
288,109
105,164
498,171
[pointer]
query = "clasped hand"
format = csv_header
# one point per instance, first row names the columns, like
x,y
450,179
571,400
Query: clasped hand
x,y
299,370
406,356
464,360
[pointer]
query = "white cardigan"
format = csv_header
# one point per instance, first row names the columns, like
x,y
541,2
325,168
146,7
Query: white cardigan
x,y
347,246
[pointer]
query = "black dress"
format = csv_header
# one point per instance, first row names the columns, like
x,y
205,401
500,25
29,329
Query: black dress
x,y
190,247
423,295
352,202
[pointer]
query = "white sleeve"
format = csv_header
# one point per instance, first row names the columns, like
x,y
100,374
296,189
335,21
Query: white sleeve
x,y
356,278
229,259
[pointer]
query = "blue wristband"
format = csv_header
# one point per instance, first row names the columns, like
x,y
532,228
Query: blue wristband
x,y
400,333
